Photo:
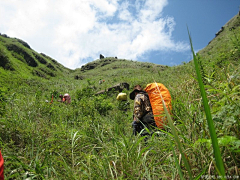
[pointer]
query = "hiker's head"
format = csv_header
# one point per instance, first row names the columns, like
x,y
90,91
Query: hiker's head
x,y
61,96
66,95
136,90
66,98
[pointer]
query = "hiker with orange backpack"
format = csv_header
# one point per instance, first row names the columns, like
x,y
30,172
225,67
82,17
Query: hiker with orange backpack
x,y
149,106
142,113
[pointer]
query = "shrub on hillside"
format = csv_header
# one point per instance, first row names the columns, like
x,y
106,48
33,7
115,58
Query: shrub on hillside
x,y
102,105
5,63
85,92
3,102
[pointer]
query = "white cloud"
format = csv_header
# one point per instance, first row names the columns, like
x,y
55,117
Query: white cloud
x,y
124,13
152,9
73,31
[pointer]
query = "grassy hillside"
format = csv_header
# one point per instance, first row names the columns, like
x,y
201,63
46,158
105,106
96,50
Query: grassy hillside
x,y
18,60
91,138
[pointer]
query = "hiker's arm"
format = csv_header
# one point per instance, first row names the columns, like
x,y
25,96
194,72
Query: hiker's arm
x,y
138,111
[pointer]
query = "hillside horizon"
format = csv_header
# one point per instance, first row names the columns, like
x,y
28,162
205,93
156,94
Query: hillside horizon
x,y
25,44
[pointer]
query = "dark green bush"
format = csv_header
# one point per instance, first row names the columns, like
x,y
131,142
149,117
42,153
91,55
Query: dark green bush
x,y
85,92
3,102
102,105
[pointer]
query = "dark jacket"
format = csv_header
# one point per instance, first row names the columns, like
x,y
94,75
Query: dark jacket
x,y
142,113
143,109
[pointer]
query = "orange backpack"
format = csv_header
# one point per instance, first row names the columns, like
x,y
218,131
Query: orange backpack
x,y
154,90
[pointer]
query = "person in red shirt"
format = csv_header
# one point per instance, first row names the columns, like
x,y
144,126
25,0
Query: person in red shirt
x,y
65,98
1,167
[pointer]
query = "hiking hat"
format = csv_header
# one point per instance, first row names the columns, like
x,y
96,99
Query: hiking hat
x,y
136,88
65,95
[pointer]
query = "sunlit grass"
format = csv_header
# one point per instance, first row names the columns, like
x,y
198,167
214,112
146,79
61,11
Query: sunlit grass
x,y
216,149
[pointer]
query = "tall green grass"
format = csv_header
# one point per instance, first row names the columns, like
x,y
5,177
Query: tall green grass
x,y
217,153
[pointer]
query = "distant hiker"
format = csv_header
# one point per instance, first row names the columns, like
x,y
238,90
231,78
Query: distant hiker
x,y
123,104
65,98
122,96
51,99
101,81
1,167
142,113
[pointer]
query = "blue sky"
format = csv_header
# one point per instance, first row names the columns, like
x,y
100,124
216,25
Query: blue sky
x,y
75,32
203,17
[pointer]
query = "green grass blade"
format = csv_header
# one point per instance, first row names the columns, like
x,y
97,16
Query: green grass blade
x,y
175,134
199,176
216,149
176,160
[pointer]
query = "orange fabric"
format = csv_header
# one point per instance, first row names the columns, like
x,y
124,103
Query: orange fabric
x,y
1,167
63,99
154,90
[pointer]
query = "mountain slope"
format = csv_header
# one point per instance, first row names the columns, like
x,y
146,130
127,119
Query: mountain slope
x,y
18,59
109,68
225,46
